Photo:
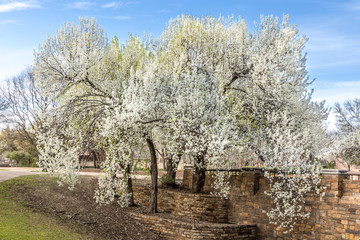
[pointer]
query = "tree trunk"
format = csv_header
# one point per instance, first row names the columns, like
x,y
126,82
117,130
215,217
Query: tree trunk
x,y
199,176
165,164
99,157
199,180
170,171
130,186
95,158
154,176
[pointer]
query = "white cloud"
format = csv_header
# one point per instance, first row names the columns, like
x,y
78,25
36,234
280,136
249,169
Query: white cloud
x,y
7,22
112,5
333,92
317,62
351,84
82,5
116,5
18,5
122,18
331,43
164,11
324,40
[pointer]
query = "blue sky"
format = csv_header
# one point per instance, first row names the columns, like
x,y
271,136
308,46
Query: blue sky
x,y
333,29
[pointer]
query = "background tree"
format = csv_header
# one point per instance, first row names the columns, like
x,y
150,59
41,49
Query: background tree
x,y
21,158
345,143
25,106
3,107
14,141
348,115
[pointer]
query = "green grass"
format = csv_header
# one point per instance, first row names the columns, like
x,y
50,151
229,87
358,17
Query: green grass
x,y
18,222
3,170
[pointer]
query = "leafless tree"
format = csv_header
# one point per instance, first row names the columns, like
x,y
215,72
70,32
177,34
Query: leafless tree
x,y
3,107
24,104
348,115
346,141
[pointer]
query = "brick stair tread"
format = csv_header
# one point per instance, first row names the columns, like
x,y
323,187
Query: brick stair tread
x,y
181,220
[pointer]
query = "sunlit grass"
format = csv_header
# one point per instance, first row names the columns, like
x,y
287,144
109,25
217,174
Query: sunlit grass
x,y
18,222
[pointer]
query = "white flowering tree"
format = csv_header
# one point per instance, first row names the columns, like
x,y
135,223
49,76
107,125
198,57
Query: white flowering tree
x,y
57,150
86,75
195,56
264,78
205,85
274,93
200,114
143,110
118,142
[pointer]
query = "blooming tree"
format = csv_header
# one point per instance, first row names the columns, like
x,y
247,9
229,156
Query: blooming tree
x,y
264,78
57,150
119,142
275,94
202,114
143,112
204,86
195,56
86,75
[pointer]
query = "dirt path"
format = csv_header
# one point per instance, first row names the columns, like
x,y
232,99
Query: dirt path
x,y
11,172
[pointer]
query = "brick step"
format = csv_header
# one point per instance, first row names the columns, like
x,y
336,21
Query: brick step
x,y
201,207
174,228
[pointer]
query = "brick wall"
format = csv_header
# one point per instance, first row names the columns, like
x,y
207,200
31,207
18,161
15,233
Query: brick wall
x,y
181,230
336,215
201,207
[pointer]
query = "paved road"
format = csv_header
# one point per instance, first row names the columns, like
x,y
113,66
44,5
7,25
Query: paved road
x,y
7,173
11,172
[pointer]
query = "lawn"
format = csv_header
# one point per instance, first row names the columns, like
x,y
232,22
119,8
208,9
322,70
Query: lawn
x,y
36,207
19,222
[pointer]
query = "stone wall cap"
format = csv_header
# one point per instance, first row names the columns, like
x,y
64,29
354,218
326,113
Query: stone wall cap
x,y
334,171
